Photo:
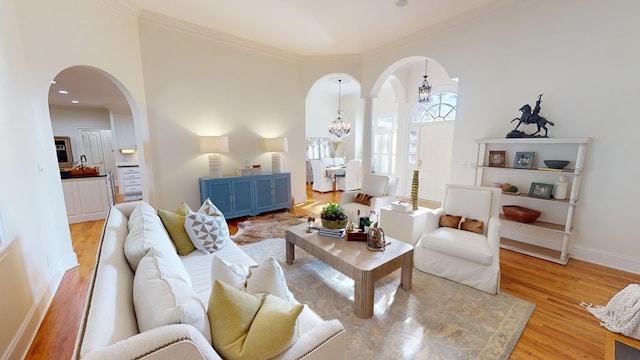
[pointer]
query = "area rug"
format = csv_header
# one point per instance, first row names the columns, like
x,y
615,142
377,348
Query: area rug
x,y
273,225
436,319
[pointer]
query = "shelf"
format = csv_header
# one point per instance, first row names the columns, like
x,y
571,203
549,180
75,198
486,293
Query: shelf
x,y
535,141
533,250
571,172
525,195
541,225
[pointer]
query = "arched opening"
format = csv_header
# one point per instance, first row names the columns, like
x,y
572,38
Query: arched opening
x,y
321,107
93,127
412,145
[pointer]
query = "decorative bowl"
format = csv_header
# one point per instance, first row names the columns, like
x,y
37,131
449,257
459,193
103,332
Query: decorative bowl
x,y
334,224
556,164
520,214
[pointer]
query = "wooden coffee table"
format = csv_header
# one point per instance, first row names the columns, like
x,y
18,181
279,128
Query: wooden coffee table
x,y
354,260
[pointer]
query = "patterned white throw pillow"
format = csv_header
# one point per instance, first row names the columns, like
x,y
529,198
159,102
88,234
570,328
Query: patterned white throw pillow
x,y
267,277
207,233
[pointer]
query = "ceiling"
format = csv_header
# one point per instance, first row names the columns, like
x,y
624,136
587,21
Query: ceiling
x,y
302,27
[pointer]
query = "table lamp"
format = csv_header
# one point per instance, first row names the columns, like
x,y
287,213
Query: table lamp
x,y
214,145
276,146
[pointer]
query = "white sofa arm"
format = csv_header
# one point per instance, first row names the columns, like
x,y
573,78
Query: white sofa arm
x,y
347,197
328,340
168,342
433,220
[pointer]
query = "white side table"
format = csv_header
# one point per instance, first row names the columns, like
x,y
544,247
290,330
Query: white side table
x,y
404,226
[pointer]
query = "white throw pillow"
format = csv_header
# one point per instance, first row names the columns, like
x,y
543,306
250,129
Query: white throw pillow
x,y
206,232
162,297
267,277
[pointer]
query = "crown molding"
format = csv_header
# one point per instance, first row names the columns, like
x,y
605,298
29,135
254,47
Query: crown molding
x,y
124,7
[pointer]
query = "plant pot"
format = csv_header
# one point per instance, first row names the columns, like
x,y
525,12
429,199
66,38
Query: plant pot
x,y
334,224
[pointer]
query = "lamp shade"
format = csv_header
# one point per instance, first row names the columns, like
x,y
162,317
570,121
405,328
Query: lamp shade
x,y
275,144
214,144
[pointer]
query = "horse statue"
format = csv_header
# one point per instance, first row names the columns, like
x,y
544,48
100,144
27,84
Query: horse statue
x,y
532,117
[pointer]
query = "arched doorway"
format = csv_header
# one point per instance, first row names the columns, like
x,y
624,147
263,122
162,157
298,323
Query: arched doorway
x,y
88,109
416,144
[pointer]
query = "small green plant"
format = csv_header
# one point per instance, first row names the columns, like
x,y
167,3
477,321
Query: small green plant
x,y
333,211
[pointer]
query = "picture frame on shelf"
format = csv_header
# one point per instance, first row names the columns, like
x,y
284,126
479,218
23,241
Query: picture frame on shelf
x,y
541,190
497,158
523,160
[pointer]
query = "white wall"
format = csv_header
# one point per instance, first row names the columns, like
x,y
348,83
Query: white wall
x,y
38,40
66,122
582,56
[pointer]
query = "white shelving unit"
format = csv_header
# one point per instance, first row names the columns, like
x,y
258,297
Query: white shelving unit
x,y
548,237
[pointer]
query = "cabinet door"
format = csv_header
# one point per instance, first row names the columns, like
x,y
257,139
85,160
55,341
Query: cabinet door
x,y
219,191
94,201
242,197
282,191
263,186
71,200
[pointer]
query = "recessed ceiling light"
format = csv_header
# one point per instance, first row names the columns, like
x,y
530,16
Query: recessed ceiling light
x,y
63,92
75,101
53,81
401,3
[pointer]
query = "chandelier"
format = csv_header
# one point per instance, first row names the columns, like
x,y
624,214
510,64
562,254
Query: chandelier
x,y
424,91
338,127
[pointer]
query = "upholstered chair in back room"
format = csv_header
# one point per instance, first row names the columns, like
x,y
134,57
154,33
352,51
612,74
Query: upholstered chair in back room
x,y
352,178
377,192
321,182
461,241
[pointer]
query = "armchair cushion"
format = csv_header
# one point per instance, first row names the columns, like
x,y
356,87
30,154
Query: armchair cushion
x,y
451,221
458,243
375,185
472,225
362,199
472,203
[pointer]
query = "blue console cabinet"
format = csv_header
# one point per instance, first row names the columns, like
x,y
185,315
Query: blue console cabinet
x,y
250,195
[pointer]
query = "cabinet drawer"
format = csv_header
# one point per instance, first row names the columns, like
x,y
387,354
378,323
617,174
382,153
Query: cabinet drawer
x,y
131,182
133,189
130,170
130,176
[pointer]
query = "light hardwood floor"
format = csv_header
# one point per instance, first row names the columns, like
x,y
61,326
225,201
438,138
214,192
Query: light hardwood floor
x,y
558,329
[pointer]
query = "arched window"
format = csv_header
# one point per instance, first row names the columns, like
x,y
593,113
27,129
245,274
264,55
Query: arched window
x,y
442,107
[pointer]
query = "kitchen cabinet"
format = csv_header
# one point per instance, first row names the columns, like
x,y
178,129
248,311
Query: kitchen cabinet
x,y
250,195
548,237
124,131
86,199
130,182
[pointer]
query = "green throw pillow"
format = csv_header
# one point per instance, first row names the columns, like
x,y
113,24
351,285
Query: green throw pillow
x,y
174,223
248,326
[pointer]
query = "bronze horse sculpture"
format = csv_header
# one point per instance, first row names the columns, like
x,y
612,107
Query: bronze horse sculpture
x,y
532,117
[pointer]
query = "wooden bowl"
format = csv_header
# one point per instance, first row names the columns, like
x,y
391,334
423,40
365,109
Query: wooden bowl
x,y
520,214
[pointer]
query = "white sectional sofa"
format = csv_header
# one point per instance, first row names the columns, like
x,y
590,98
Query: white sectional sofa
x,y
110,328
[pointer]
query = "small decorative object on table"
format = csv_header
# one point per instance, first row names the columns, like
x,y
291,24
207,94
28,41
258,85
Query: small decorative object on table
x,y
414,189
523,160
333,216
375,238
541,190
530,117
520,214
310,221
556,164
497,158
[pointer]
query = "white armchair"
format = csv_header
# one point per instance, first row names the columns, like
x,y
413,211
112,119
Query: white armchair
x,y
381,188
463,256
321,182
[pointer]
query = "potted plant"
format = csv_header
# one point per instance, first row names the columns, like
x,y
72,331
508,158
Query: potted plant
x,y
333,216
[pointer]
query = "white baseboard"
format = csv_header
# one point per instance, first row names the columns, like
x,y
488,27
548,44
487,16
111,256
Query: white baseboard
x,y
21,344
609,259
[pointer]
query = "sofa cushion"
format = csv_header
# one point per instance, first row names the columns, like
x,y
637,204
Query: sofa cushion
x,y
206,232
174,223
451,221
473,225
162,297
363,199
268,277
145,232
248,326
458,243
